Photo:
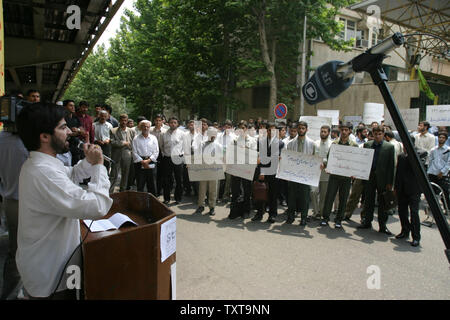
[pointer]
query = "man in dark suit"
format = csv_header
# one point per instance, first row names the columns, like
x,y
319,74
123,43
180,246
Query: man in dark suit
x,y
267,169
408,195
381,179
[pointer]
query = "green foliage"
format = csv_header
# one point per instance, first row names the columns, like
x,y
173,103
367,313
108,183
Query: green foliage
x,y
196,54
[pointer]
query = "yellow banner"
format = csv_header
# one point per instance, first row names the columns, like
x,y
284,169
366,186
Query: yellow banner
x,y
2,53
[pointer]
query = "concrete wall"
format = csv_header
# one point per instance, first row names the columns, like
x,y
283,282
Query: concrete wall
x,y
351,102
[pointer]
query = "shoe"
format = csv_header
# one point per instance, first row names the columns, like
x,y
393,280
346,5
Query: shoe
x,y
402,235
364,226
415,243
315,217
270,220
257,217
338,225
289,220
324,223
166,201
385,231
200,209
211,212
246,215
283,203
303,222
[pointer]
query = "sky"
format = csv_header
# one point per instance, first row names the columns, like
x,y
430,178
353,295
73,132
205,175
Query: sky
x,y
114,25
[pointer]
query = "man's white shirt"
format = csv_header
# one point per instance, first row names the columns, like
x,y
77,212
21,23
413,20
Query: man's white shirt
x,y
145,147
50,204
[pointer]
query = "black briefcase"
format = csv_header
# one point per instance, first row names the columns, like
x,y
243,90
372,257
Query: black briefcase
x,y
389,200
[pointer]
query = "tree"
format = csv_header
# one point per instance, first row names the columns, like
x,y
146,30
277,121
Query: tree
x,y
92,82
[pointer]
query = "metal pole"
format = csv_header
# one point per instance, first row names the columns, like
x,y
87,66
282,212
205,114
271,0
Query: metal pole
x,y
302,99
379,78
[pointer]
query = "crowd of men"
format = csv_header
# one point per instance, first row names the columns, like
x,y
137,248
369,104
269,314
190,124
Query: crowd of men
x,y
154,156
150,155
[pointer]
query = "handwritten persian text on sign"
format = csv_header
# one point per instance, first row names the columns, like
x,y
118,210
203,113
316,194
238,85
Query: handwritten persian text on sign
x,y
439,115
298,167
350,161
168,238
205,172
410,118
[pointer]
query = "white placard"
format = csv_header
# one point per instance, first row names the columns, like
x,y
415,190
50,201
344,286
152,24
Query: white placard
x,y
439,115
205,172
173,280
241,162
410,117
314,125
373,112
245,171
299,167
355,120
350,161
333,114
168,238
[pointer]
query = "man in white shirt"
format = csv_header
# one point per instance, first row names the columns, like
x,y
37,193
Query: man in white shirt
x,y
145,155
241,186
318,194
102,129
225,139
172,150
51,202
298,193
158,130
424,139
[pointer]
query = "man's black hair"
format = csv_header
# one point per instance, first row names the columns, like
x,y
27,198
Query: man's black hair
x,y
36,119
31,91
66,102
107,108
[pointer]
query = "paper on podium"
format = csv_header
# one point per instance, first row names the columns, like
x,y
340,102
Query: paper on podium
x,y
114,222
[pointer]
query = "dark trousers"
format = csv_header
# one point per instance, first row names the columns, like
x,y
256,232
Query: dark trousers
x,y
372,189
282,190
159,174
236,183
411,201
298,199
106,149
189,186
335,184
272,194
144,177
170,170
443,183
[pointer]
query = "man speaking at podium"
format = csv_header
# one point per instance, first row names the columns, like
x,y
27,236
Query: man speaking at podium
x,y
51,201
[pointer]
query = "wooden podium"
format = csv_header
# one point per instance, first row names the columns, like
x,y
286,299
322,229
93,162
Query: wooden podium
x,y
126,263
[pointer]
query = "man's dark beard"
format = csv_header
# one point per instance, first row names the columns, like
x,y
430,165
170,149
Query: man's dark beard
x,y
58,146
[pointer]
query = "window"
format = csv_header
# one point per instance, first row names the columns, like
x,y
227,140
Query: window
x,y
350,31
374,36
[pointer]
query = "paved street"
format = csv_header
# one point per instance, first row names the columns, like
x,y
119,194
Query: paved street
x,y
218,258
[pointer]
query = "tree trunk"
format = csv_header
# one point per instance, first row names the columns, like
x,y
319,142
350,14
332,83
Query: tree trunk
x,y
269,61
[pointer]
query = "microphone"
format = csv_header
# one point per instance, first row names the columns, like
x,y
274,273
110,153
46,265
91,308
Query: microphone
x,y
334,77
80,146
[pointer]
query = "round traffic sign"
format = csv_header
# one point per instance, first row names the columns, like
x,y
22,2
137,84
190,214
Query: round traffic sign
x,y
280,111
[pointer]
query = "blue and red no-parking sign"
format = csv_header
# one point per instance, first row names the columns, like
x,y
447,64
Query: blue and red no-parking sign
x,y
280,111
